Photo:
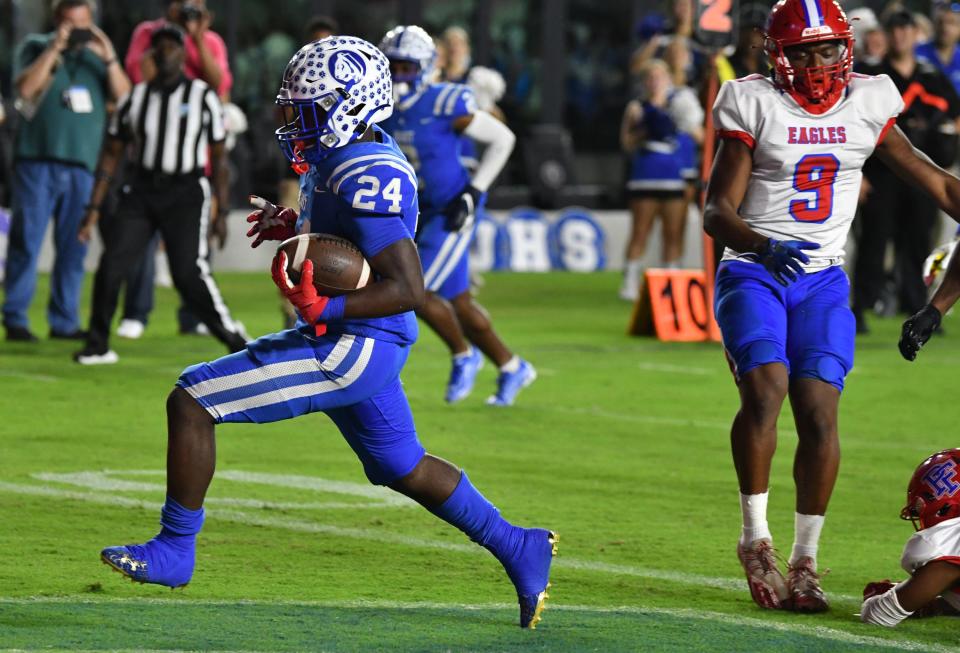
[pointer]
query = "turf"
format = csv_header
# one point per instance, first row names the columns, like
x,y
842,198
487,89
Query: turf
x,y
621,446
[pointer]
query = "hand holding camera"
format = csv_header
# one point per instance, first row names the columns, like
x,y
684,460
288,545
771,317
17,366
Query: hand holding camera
x,y
71,37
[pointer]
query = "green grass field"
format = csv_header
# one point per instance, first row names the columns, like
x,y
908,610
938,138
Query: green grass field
x,y
621,446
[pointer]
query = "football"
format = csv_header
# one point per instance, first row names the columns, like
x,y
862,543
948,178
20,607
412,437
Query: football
x,y
338,265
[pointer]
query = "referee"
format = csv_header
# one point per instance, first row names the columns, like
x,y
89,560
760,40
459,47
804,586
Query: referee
x,y
172,123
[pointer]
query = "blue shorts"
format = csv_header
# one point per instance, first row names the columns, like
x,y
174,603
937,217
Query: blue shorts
x,y
354,380
444,256
808,326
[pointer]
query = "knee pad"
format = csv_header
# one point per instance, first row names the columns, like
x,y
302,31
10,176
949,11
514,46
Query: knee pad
x,y
757,353
389,462
828,369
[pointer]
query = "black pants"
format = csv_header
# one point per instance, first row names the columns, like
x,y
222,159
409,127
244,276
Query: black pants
x,y
893,211
179,210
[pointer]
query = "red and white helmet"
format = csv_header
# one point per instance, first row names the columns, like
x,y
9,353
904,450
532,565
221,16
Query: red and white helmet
x,y
933,495
798,22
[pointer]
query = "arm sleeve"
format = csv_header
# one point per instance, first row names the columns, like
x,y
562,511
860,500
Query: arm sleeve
x,y
219,51
486,129
728,116
212,103
139,44
378,196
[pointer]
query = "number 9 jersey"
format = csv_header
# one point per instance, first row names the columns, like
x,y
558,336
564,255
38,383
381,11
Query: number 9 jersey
x,y
807,167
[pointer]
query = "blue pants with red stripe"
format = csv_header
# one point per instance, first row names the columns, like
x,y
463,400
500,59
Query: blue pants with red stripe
x,y
354,380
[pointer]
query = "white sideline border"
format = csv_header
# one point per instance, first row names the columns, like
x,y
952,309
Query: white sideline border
x,y
819,632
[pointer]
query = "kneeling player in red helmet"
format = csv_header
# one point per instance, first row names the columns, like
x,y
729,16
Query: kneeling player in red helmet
x,y
932,554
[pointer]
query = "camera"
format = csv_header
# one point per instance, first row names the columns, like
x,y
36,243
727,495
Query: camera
x,y
78,38
190,12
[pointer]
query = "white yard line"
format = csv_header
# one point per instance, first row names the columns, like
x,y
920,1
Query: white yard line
x,y
678,369
820,632
376,535
29,377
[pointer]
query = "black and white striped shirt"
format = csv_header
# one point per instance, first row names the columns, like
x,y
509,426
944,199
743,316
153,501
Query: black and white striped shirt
x,y
170,127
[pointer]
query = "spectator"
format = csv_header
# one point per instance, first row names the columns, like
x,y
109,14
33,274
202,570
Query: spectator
x,y
942,51
656,35
206,53
5,170
206,59
924,27
167,193
658,131
749,57
457,55
870,42
64,81
891,209
320,27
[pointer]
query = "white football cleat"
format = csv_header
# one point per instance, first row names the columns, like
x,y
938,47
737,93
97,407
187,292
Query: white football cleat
x,y
131,329
90,356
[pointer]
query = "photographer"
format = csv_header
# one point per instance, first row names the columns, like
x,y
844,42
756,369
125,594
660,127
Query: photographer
x,y
205,50
63,82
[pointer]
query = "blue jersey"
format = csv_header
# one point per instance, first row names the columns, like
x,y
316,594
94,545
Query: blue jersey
x,y
422,125
365,192
928,51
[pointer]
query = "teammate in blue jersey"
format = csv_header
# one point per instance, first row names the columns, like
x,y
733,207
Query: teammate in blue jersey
x,y
428,123
345,357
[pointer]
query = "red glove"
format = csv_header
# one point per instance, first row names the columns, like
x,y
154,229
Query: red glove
x,y
877,588
271,222
304,295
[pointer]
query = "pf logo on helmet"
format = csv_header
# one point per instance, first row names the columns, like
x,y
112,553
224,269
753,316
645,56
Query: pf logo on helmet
x,y
940,479
348,67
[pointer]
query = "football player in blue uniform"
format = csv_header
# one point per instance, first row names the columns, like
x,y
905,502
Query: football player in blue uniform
x,y
428,123
345,357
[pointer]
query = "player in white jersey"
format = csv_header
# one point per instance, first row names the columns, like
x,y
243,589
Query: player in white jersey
x,y
932,555
781,198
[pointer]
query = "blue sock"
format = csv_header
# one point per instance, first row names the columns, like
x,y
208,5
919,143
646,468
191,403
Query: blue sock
x,y
180,525
469,511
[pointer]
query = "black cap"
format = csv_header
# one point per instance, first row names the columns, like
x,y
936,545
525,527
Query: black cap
x,y
167,31
899,18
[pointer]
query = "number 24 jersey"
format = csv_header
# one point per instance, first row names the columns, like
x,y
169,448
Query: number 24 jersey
x,y
807,168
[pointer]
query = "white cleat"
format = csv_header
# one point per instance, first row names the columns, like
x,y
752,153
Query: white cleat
x,y
130,329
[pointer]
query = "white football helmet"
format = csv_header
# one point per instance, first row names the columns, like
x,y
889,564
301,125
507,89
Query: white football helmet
x,y
332,90
410,43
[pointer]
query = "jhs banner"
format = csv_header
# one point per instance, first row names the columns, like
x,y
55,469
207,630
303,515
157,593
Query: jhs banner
x,y
527,241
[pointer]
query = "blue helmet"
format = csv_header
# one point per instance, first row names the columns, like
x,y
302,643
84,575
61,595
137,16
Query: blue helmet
x,y
332,90
412,44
